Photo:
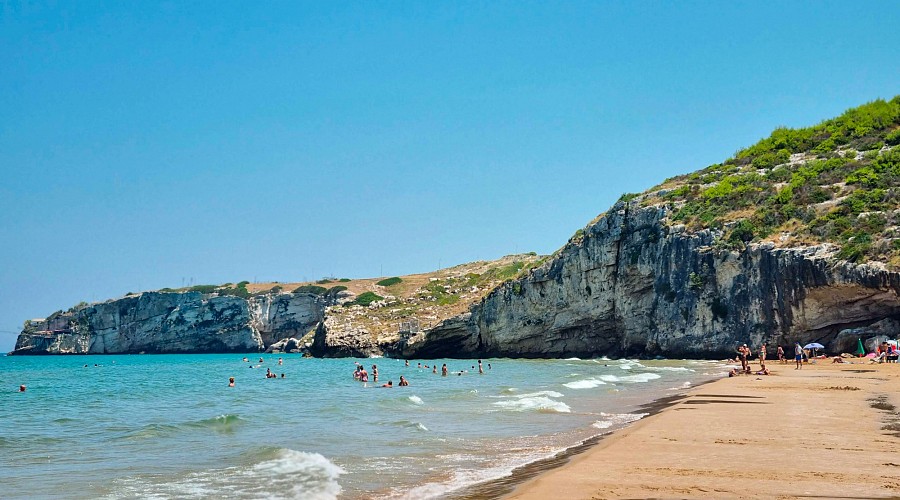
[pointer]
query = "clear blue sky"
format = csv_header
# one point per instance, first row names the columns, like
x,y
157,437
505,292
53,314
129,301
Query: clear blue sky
x,y
143,144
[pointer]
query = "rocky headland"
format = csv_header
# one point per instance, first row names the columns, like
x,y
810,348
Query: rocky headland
x,y
794,239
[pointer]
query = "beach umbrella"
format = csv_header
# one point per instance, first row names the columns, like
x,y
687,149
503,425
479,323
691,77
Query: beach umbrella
x,y
860,350
814,346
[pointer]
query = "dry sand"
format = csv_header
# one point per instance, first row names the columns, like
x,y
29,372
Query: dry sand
x,y
826,431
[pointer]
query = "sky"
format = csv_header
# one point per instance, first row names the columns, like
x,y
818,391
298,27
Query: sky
x,y
157,144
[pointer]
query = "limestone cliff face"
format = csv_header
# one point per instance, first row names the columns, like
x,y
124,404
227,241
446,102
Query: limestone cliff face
x,y
155,322
634,285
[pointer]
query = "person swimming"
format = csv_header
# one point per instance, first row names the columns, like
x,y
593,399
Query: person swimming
x,y
22,388
230,381
389,384
403,382
434,369
444,370
374,373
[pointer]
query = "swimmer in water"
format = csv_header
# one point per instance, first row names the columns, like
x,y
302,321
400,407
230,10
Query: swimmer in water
x,y
230,381
403,382
434,369
389,385
363,375
444,370
22,388
480,368
280,361
407,362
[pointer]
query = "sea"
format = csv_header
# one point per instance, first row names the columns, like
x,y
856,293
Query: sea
x,y
169,426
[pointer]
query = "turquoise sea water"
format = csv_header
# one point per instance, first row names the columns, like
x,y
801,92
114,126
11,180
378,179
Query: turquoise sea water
x,y
168,426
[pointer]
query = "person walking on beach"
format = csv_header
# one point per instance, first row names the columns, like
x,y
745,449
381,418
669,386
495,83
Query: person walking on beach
x,y
798,355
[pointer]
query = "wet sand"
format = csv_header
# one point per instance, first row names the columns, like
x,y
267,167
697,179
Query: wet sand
x,y
826,431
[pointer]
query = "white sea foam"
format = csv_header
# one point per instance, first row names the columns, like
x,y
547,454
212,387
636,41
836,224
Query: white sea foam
x,y
535,401
636,378
617,419
286,474
572,359
588,383
668,369
549,394
416,400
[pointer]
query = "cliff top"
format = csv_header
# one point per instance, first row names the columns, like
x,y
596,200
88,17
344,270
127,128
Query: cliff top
x,y
836,182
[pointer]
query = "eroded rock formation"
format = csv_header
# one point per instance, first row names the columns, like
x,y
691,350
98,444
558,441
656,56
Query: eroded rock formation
x,y
157,322
634,285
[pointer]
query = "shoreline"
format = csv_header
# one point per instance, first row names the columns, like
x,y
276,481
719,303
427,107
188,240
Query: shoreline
x,y
503,486
714,441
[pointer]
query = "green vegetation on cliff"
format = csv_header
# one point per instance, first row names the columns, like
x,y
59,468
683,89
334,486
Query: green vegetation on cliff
x,y
838,181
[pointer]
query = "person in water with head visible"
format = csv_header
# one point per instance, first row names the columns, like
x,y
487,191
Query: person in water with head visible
x,y
230,381
480,368
403,382
434,368
374,373
444,370
389,385
363,374
22,388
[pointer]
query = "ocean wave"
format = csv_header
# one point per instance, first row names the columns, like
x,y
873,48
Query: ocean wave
x,y
617,419
281,473
668,369
410,424
416,400
222,423
549,394
636,378
572,359
541,404
588,383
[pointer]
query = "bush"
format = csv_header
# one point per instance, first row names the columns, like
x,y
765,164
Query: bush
x,y
203,288
335,290
893,138
743,232
323,281
345,280
364,299
389,281
313,289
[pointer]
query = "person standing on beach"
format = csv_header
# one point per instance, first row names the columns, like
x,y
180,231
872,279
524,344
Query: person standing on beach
x,y
762,357
780,353
798,356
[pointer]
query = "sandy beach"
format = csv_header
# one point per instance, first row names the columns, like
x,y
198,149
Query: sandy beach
x,y
825,431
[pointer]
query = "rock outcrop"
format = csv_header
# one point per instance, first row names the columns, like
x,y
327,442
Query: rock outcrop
x,y
634,285
158,322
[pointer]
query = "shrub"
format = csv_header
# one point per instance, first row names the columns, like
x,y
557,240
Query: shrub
x,y
364,299
335,290
323,281
345,280
743,232
893,138
389,281
696,281
203,288
313,289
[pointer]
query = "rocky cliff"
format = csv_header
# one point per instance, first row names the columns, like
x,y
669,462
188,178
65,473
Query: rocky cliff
x,y
634,285
159,322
